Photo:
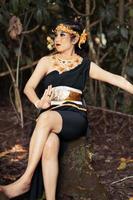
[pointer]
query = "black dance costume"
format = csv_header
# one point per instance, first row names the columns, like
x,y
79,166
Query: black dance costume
x,y
74,115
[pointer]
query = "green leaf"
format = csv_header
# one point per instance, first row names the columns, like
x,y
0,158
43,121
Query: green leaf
x,y
108,13
131,12
3,50
112,33
14,4
124,32
46,15
39,16
2,20
129,71
54,8
24,4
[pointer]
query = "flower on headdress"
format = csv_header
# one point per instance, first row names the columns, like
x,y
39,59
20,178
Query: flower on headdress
x,y
68,29
82,38
65,28
50,43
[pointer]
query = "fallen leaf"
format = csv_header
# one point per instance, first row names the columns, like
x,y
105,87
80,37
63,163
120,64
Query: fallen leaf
x,y
124,162
122,165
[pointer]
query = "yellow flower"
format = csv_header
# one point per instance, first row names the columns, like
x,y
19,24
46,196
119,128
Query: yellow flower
x,y
50,43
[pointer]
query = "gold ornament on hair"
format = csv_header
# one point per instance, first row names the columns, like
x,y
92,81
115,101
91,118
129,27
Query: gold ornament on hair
x,y
67,29
83,38
50,43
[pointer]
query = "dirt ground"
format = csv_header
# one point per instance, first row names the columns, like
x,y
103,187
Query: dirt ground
x,y
112,146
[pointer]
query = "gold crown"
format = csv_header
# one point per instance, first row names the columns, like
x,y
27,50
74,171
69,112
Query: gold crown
x,y
67,29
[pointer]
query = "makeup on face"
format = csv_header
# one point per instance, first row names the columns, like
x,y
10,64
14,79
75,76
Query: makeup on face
x,y
62,39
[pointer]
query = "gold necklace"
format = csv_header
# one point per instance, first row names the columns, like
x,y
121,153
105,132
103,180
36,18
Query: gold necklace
x,y
65,65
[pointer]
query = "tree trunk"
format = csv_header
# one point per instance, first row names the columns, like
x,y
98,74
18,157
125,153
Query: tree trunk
x,y
121,11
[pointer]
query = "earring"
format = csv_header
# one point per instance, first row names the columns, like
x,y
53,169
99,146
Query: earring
x,y
73,41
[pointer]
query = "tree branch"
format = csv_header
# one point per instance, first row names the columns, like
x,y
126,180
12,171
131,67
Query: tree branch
x,y
32,30
121,11
21,69
128,4
123,179
95,23
127,51
82,14
105,55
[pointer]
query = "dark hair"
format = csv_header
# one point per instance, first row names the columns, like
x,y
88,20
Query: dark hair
x,y
78,27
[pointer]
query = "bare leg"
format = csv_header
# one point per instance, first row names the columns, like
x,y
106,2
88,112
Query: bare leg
x,y
48,122
50,165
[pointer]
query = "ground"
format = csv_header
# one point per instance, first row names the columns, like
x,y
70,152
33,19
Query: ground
x,y
111,141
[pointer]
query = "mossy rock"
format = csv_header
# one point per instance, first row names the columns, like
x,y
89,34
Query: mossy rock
x,y
77,178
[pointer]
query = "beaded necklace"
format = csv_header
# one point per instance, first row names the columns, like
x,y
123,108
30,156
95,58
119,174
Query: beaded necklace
x,y
65,64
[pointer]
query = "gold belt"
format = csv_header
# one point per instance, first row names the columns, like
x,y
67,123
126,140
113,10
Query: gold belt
x,y
73,96
69,104
63,93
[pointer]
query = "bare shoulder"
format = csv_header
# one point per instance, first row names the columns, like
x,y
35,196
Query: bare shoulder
x,y
46,60
40,71
44,64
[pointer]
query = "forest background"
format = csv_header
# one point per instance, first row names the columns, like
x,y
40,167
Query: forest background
x,y
24,29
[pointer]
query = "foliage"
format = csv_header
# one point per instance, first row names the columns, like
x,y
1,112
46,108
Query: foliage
x,y
112,40
23,22
111,36
31,13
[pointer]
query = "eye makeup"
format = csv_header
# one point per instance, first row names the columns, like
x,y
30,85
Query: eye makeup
x,y
61,34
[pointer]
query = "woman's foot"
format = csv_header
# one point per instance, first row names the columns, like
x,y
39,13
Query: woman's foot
x,y
15,189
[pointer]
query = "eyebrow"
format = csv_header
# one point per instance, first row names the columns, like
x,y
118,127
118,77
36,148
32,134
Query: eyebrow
x,y
62,32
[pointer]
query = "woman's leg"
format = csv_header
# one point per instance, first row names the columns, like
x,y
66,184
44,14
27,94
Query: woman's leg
x,y
50,121
50,165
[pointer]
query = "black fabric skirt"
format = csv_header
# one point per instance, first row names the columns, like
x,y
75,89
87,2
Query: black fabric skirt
x,y
75,125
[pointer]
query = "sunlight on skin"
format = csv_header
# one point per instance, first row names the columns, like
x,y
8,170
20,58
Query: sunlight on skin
x,y
9,190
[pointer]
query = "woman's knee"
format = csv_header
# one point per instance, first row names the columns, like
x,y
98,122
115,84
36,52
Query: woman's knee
x,y
51,119
51,147
44,117
44,120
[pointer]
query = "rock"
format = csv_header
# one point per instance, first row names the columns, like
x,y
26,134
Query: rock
x,y
77,177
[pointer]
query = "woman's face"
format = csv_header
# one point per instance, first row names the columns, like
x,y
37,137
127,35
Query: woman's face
x,y
63,41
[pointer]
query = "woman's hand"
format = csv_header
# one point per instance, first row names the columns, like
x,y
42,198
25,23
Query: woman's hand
x,y
45,101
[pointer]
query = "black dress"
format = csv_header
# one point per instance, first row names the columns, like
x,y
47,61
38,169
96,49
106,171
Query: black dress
x,y
74,116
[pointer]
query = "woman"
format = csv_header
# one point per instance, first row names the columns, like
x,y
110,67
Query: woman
x,y
63,114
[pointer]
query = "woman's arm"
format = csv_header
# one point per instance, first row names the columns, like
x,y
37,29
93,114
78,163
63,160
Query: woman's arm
x,y
98,73
39,72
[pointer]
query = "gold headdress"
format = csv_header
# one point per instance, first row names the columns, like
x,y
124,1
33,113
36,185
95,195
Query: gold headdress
x,y
67,29
83,38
